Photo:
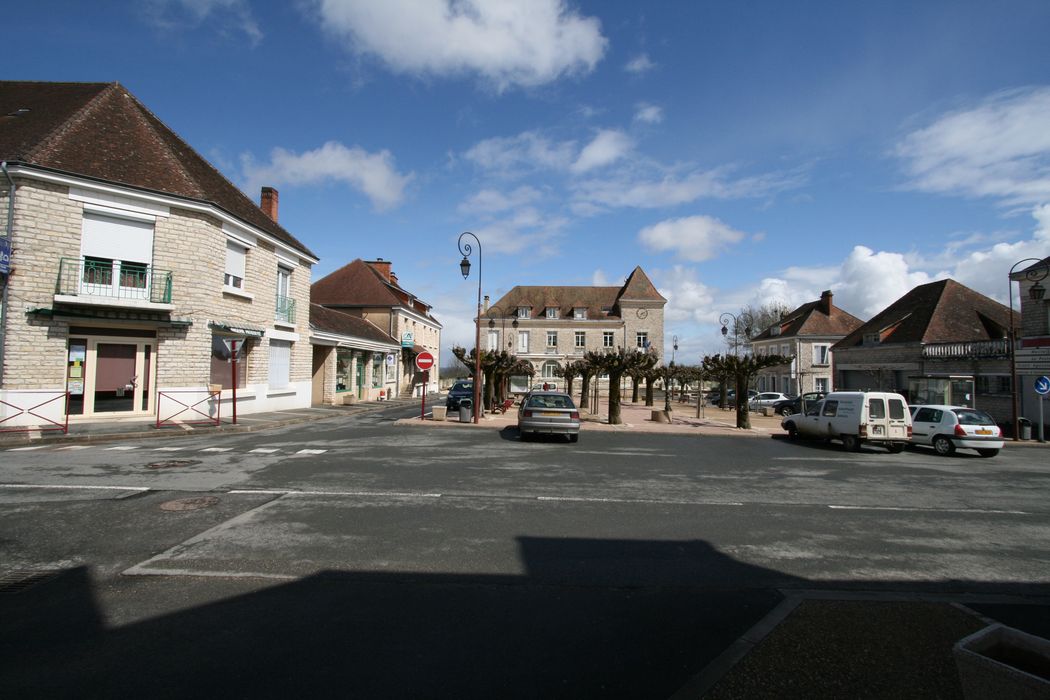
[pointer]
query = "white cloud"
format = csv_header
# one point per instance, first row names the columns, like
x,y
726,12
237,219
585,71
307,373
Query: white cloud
x,y
694,238
670,190
220,14
999,148
688,299
490,201
639,64
373,174
600,279
524,230
648,114
506,43
607,147
526,151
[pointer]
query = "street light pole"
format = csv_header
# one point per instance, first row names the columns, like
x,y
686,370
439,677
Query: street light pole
x,y
674,349
736,319
1034,273
464,267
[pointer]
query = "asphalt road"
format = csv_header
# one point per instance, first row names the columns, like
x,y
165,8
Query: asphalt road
x,y
354,557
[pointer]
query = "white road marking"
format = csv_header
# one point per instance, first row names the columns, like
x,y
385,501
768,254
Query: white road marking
x,y
813,459
576,499
83,487
623,453
384,494
74,447
979,511
122,448
26,449
311,452
168,449
264,450
216,449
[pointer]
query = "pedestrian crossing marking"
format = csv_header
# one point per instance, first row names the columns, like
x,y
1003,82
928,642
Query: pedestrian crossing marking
x,y
27,449
311,452
264,450
216,449
168,449
122,448
75,447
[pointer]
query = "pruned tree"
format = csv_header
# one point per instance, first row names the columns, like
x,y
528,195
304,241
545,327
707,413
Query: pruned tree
x,y
742,370
616,364
637,375
569,372
590,366
496,366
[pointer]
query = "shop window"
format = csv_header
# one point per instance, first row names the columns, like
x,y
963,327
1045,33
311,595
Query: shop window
x,y
377,370
221,365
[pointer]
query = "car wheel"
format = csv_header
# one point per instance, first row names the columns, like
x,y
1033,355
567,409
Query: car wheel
x,y
574,437
851,443
895,447
523,435
792,431
943,445
988,452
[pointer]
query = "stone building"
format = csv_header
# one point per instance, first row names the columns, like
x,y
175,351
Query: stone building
x,y
351,357
549,325
940,343
806,334
369,289
137,268
1033,340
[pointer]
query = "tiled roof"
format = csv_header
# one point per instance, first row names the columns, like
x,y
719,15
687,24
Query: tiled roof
x,y
636,288
99,130
339,323
358,284
939,312
813,319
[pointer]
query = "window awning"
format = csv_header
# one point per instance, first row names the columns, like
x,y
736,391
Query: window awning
x,y
237,329
112,317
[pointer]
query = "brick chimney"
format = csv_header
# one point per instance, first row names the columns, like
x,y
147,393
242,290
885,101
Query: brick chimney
x,y
268,202
393,279
382,267
825,302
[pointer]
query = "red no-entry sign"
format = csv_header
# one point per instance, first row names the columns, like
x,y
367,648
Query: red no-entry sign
x,y
424,361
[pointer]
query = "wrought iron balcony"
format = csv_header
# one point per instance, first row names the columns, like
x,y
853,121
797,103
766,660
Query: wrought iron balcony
x,y
285,309
112,282
987,349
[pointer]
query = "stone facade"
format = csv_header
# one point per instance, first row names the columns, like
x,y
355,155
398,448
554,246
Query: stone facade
x,y
48,224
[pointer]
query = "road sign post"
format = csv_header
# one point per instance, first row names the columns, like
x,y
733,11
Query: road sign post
x,y
424,361
1042,387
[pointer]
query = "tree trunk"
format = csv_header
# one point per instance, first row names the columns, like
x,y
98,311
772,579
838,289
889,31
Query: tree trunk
x,y
614,398
489,379
568,385
649,391
743,416
635,381
585,382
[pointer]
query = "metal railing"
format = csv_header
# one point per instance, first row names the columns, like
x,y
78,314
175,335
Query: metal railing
x,y
113,279
188,407
285,309
31,410
999,348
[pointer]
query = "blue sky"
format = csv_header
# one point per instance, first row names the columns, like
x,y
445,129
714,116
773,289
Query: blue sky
x,y
740,152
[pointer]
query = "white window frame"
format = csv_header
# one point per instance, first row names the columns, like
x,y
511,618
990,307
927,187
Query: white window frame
x,y
552,335
579,313
579,339
280,366
284,281
785,350
551,312
608,339
549,368
640,338
493,341
524,312
822,384
523,341
821,354
232,280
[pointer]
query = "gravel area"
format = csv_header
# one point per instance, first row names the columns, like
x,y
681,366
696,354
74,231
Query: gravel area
x,y
854,649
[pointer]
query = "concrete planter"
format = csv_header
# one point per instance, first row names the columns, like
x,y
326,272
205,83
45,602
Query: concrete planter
x,y
661,416
348,399
439,412
1002,662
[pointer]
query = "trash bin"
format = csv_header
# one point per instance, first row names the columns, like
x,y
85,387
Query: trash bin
x,y
466,411
1026,428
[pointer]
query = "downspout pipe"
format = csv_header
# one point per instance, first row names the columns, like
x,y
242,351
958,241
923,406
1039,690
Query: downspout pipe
x,y
7,233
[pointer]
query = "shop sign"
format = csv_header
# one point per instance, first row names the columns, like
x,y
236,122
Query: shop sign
x,y
5,255
407,340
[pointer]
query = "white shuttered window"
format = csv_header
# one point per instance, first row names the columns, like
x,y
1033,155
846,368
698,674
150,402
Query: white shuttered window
x,y
235,255
280,363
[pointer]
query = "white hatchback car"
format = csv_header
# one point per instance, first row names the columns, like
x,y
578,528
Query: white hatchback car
x,y
948,428
767,398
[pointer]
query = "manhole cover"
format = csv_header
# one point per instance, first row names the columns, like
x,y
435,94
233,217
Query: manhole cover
x,y
189,503
170,463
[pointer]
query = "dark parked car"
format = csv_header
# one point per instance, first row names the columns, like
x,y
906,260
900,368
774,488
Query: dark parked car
x,y
462,389
794,405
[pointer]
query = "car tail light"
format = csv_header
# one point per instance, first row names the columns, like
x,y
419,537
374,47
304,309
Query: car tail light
x,y
575,415
909,432
863,432
528,414
959,430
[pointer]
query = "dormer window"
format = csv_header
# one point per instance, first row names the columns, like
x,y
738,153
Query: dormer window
x,y
524,312
552,312
774,330
871,338
579,313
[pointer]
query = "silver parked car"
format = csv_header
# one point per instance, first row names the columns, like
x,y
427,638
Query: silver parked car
x,y
947,428
548,412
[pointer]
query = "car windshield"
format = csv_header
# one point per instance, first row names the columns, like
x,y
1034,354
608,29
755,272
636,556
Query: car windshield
x,y
971,416
550,401
463,386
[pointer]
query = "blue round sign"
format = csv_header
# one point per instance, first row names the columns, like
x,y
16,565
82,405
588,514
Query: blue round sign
x,y
1042,386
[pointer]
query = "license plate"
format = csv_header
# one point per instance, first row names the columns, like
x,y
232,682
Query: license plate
x,y
551,414
876,430
984,431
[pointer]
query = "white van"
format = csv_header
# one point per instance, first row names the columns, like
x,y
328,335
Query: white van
x,y
855,417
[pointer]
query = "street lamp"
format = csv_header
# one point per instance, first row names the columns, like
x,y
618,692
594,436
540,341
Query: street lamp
x,y
674,349
736,319
464,267
503,319
1035,273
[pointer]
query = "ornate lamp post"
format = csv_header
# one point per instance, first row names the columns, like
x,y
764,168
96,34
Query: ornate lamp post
x,y
1035,273
464,267
674,349
736,319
